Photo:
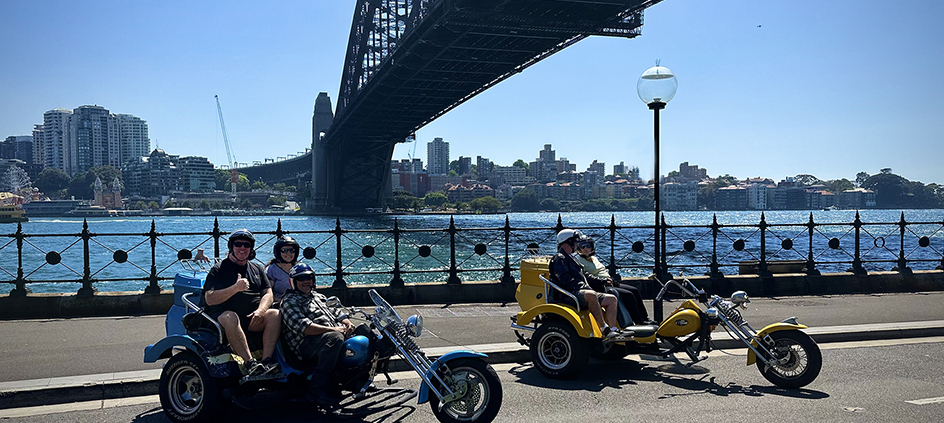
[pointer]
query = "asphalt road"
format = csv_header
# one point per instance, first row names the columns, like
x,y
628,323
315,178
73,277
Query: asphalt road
x,y
36,349
870,381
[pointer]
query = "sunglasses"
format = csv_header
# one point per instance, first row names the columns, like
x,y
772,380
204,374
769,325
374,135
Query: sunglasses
x,y
287,250
242,244
304,278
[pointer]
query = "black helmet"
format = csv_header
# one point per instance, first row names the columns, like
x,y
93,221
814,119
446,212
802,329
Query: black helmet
x,y
285,241
585,241
245,235
300,269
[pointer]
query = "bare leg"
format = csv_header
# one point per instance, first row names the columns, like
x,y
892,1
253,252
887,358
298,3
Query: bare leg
x,y
270,335
234,334
609,304
594,306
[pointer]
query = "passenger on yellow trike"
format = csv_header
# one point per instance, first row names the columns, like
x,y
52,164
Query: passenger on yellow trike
x,y
569,275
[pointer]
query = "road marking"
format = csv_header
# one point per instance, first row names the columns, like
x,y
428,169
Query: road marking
x,y
77,406
926,401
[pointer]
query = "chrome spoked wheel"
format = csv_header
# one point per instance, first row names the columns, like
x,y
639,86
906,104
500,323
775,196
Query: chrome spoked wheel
x,y
555,351
482,396
796,360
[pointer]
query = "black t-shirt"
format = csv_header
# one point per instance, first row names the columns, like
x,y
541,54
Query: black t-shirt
x,y
224,275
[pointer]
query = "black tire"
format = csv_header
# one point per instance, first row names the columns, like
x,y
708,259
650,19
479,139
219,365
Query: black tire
x,y
802,360
483,398
188,393
557,351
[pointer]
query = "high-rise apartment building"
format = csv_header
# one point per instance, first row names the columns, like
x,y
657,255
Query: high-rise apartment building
x,y
483,167
196,174
598,167
619,169
88,136
437,157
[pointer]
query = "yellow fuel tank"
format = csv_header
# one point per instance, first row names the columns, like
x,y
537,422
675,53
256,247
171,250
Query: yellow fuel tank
x,y
682,322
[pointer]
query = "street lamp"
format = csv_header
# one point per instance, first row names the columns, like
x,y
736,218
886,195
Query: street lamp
x,y
656,87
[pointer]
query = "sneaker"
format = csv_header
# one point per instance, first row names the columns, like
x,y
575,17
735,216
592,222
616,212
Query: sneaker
x,y
610,332
259,368
616,335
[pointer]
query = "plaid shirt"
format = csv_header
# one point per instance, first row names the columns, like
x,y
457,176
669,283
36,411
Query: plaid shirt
x,y
299,311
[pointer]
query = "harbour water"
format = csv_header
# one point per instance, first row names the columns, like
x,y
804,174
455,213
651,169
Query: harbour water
x,y
129,234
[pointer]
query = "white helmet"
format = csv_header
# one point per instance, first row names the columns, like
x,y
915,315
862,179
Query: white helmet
x,y
566,234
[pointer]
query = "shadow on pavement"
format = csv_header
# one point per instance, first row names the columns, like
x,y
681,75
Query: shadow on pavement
x,y
290,412
599,375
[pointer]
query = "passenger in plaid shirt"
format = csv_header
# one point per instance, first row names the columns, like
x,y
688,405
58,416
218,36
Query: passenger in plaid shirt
x,y
313,331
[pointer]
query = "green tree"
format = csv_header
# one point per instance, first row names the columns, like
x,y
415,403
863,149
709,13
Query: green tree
x,y
435,199
276,200
452,173
107,174
153,205
860,178
51,180
550,204
525,200
204,204
487,204
807,180
893,191
522,164
140,205
81,185
839,185
242,183
260,185
403,200
706,193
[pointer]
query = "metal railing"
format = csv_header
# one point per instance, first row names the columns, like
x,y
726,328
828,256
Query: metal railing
x,y
396,256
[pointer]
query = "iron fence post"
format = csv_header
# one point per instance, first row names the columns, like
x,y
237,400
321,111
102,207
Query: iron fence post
x,y
762,267
338,277
558,228
397,281
941,266
278,229
20,290
857,258
453,270
714,267
153,288
86,290
810,262
506,269
663,261
902,266
216,237
612,266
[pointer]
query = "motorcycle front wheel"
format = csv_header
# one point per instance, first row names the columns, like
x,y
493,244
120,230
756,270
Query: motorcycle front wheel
x,y
797,360
483,396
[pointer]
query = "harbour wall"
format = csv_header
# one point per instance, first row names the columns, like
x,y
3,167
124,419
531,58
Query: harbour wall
x,y
49,306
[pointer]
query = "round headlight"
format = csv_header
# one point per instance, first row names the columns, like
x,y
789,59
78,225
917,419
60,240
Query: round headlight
x,y
739,298
414,325
712,313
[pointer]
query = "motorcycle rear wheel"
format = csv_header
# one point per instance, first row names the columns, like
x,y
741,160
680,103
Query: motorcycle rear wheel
x,y
557,351
187,391
483,398
802,364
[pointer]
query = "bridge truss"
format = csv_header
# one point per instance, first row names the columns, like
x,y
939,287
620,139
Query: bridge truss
x,y
410,61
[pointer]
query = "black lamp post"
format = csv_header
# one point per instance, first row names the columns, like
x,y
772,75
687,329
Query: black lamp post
x,y
656,87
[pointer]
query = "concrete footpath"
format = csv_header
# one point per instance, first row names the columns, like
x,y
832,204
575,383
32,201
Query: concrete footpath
x,y
53,361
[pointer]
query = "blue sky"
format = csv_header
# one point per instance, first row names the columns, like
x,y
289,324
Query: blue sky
x,y
766,88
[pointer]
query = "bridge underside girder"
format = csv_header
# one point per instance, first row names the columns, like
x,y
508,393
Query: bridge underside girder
x,y
443,54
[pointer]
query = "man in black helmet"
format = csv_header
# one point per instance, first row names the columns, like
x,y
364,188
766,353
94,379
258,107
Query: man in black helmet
x,y
238,295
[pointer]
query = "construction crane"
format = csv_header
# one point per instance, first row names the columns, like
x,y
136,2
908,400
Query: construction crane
x,y
234,175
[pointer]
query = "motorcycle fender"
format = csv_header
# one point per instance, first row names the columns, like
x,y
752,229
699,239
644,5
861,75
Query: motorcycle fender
x,y
164,348
582,323
774,327
423,395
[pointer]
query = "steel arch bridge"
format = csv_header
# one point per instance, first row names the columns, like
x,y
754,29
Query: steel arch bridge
x,y
410,61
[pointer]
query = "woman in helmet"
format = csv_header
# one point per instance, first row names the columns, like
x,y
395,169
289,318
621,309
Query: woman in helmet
x,y
630,300
285,256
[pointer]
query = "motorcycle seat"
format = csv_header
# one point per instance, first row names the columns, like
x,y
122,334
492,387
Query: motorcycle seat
x,y
292,360
642,331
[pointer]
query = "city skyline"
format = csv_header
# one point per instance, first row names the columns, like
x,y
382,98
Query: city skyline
x,y
764,89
